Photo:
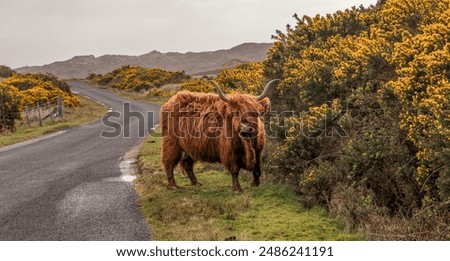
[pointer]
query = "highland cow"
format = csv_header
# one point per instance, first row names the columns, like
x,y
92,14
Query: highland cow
x,y
228,129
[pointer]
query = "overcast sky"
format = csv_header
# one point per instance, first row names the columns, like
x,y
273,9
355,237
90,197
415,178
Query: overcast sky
x,y
37,32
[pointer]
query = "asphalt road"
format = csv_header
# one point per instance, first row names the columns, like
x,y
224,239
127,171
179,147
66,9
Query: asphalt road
x,y
69,186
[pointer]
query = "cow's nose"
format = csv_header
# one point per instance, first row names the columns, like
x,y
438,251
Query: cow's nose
x,y
245,127
246,130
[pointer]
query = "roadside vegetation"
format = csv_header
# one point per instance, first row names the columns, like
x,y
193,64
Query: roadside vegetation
x,y
157,85
19,92
212,212
5,72
369,134
147,82
87,111
365,130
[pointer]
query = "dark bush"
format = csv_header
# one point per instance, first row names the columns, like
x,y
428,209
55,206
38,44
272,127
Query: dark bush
x,y
10,107
6,71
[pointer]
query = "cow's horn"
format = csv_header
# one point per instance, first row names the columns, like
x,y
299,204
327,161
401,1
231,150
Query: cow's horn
x,y
219,91
266,89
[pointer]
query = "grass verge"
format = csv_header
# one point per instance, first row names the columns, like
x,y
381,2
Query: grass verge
x,y
214,212
86,112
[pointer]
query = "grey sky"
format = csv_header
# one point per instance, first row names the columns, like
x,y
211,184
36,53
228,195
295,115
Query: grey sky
x,y
36,32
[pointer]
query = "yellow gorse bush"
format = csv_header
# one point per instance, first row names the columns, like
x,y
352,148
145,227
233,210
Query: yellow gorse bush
x,y
245,78
388,65
28,90
197,85
135,78
39,88
423,88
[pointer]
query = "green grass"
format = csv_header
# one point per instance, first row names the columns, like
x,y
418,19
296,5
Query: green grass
x,y
86,112
214,212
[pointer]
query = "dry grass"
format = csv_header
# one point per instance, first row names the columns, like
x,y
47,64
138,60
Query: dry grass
x,y
428,222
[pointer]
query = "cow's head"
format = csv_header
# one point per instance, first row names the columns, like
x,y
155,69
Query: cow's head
x,y
249,109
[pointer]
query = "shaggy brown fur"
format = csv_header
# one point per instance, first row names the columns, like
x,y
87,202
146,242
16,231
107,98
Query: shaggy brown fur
x,y
202,127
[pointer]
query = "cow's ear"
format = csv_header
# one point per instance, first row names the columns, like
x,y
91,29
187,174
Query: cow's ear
x,y
265,103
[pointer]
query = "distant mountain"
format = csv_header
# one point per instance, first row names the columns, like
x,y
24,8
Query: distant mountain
x,y
190,62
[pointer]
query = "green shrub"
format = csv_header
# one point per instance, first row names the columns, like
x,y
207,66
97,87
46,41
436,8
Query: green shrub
x,y
6,71
10,107
387,66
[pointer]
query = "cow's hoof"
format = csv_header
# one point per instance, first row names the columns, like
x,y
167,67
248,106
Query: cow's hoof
x,y
196,184
172,187
237,190
255,184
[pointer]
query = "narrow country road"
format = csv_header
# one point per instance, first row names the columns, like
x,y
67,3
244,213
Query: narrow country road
x,y
69,186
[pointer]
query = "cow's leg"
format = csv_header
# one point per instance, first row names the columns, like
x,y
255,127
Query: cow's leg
x,y
188,165
257,169
171,155
229,160
250,154
236,186
258,145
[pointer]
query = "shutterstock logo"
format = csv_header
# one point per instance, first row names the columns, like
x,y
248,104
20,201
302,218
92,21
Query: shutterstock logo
x,y
120,123
212,124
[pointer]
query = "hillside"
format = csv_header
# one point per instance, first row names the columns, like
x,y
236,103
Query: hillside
x,y
190,62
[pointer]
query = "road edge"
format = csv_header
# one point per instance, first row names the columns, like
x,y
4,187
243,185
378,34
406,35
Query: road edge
x,y
31,141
